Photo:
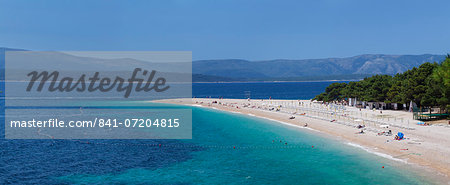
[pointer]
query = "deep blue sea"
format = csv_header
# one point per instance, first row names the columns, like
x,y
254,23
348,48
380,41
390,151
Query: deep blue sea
x,y
260,90
227,148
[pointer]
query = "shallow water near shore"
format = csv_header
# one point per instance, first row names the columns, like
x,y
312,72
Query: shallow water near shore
x,y
229,148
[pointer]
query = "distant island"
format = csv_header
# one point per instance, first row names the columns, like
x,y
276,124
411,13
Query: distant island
x,y
237,70
350,68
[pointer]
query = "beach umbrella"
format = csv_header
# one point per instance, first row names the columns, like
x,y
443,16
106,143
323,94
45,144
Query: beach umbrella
x,y
400,135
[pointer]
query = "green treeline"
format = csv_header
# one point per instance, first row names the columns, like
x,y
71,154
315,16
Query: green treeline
x,y
427,86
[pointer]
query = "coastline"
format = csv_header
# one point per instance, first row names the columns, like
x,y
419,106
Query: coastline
x,y
425,146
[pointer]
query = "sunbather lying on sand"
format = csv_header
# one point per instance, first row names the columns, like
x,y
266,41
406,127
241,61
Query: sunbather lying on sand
x,y
385,133
360,132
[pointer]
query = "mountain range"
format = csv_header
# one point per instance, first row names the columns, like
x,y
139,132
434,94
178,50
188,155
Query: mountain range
x,y
326,69
226,70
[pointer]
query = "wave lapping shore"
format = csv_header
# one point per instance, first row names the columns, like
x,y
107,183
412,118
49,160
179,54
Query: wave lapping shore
x,y
424,146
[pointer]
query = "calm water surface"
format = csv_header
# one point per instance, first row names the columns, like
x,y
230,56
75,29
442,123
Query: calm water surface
x,y
226,148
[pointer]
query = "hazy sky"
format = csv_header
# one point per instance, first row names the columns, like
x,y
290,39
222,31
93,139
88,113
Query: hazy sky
x,y
216,29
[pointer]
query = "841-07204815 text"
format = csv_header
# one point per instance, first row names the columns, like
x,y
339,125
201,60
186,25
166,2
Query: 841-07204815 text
x,y
97,122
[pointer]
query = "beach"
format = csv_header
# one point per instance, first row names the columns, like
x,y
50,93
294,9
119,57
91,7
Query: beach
x,y
425,147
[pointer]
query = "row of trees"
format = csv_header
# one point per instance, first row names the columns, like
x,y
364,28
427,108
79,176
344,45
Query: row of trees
x,y
427,86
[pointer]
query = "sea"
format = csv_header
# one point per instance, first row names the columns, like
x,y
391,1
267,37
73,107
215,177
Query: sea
x,y
261,90
226,148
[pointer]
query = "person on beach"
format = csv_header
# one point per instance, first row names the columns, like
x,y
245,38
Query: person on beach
x,y
306,125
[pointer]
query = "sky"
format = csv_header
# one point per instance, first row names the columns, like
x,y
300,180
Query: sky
x,y
225,29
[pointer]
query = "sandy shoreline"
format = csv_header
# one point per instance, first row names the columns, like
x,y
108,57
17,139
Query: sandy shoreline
x,y
426,146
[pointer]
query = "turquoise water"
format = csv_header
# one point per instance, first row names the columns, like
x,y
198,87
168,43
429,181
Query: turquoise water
x,y
229,148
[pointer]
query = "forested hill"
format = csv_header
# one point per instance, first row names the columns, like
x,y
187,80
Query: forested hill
x,y
426,85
